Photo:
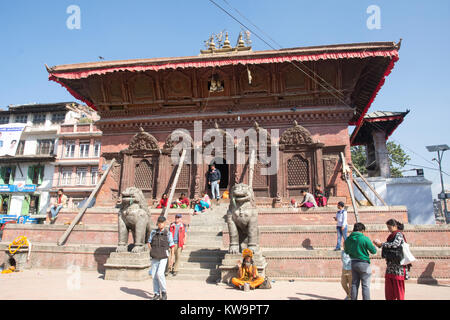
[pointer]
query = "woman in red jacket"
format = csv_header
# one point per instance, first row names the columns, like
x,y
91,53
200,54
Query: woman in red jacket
x,y
163,201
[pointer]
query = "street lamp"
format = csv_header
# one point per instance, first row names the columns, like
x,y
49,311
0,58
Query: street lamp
x,y
440,149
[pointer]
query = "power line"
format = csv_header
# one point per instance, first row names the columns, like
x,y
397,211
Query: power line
x,y
359,113
273,48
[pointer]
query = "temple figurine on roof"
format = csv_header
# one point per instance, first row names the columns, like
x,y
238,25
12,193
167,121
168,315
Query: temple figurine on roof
x,y
323,88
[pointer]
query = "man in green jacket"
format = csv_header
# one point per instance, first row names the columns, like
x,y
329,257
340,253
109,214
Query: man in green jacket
x,y
358,246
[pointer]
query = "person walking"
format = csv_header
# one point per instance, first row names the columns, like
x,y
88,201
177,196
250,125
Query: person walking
x,y
160,242
61,202
178,230
358,247
346,276
396,274
341,227
214,180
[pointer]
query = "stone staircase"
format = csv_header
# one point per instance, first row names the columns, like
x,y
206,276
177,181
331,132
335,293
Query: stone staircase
x,y
203,251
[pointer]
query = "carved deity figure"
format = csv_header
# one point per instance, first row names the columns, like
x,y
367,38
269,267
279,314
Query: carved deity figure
x,y
134,216
242,219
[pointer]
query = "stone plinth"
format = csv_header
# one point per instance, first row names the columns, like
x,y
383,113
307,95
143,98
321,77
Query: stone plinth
x,y
19,257
229,268
128,266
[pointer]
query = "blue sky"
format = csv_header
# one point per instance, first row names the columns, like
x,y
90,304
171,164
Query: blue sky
x,y
34,33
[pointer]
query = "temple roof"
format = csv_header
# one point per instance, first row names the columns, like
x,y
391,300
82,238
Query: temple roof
x,y
387,121
361,99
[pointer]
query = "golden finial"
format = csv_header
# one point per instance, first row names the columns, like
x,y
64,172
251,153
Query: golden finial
x,y
226,43
212,45
241,43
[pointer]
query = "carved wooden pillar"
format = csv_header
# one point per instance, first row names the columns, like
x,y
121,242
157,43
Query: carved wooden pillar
x,y
128,164
280,179
319,167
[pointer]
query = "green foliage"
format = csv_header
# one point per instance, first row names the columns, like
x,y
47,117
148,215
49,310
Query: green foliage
x,y
398,158
359,158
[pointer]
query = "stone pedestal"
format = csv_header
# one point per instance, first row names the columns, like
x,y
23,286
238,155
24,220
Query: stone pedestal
x,y
20,258
128,266
229,268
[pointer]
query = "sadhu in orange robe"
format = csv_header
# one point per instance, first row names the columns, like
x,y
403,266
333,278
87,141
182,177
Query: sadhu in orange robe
x,y
247,277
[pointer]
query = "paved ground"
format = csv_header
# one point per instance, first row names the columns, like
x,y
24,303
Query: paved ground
x,y
62,285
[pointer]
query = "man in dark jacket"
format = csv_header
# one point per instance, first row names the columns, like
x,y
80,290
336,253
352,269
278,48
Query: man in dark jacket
x,y
214,180
161,242
358,247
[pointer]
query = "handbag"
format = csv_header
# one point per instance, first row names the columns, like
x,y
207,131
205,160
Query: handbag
x,y
266,284
393,254
407,255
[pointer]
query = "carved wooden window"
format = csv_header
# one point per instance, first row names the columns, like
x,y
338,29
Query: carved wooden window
x,y
144,175
184,178
260,180
298,171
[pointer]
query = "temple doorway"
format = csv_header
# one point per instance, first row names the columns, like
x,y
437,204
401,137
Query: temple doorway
x,y
223,167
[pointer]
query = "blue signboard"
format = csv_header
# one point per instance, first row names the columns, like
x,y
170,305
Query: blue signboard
x,y
17,188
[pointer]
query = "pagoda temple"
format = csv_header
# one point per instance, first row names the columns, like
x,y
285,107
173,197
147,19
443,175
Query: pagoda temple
x,y
310,94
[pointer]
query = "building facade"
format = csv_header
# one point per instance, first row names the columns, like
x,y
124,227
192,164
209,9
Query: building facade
x,y
142,102
77,159
33,164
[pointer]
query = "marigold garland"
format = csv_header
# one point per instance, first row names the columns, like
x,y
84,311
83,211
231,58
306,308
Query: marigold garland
x,y
19,242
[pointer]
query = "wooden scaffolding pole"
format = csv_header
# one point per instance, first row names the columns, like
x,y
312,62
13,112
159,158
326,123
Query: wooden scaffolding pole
x,y
174,184
345,172
368,184
362,192
251,169
80,214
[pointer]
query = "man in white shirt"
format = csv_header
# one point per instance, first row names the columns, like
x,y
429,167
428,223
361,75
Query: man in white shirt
x,y
341,227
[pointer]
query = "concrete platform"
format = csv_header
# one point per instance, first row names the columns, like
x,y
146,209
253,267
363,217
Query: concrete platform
x,y
68,284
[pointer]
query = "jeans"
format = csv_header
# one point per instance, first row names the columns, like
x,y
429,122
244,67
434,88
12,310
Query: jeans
x,y
361,272
159,279
215,189
55,210
341,234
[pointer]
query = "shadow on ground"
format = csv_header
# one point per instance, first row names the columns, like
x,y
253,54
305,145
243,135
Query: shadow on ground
x,y
137,292
314,296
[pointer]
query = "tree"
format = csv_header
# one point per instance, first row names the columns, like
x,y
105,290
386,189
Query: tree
x,y
398,158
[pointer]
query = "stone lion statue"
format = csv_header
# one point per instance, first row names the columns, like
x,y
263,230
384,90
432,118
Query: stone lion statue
x,y
134,216
242,219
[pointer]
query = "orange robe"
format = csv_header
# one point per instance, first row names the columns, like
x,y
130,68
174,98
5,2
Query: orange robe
x,y
247,277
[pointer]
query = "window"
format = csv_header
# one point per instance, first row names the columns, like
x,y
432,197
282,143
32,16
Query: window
x,y
81,176
20,148
65,177
45,147
58,117
4,119
94,176
7,175
97,148
21,118
35,175
84,149
39,118
69,149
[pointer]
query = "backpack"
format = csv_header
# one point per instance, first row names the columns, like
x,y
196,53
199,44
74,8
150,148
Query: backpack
x,y
266,284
